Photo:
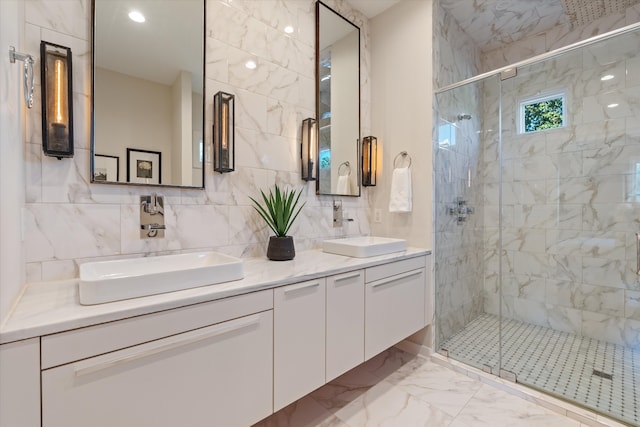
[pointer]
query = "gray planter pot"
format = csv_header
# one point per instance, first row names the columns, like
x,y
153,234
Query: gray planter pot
x,y
281,248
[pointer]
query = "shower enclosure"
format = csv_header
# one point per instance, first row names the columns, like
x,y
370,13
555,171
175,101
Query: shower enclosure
x,y
537,206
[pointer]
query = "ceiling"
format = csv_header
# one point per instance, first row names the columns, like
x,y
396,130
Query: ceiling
x,y
371,8
494,23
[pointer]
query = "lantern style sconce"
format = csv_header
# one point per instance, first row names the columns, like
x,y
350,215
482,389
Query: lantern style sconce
x,y
57,100
309,148
223,132
369,160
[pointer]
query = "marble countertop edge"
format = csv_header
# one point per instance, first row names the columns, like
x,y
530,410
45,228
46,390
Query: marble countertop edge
x,y
51,307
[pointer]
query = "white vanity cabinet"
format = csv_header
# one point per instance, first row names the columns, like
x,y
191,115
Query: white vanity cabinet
x,y
298,340
345,322
220,374
394,303
226,362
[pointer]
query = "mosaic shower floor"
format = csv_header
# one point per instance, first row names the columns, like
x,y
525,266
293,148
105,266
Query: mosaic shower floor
x,y
598,375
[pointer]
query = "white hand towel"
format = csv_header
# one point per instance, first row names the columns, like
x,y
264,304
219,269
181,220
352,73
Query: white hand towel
x,y
342,187
400,200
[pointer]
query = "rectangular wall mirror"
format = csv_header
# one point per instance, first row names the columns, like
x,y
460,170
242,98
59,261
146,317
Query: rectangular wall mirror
x,y
147,87
337,102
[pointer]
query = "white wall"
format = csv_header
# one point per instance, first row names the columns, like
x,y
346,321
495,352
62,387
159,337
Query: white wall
x,y
182,133
12,112
123,97
401,114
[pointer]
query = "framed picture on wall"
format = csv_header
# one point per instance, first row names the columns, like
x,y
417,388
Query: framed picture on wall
x,y
144,166
106,168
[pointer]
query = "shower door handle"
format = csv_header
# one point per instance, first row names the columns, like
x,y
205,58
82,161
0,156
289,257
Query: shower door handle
x,y
638,253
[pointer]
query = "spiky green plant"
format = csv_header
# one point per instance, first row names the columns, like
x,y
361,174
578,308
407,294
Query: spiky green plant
x,y
279,210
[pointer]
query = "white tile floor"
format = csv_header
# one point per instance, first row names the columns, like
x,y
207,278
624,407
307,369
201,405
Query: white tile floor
x,y
556,362
397,389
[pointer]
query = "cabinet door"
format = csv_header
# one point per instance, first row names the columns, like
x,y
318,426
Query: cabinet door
x,y
345,323
20,383
394,309
219,375
299,341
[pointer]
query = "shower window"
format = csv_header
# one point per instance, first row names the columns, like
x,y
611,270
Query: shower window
x,y
542,112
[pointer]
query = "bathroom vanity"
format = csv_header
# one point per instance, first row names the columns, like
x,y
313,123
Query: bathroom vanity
x,y
228,354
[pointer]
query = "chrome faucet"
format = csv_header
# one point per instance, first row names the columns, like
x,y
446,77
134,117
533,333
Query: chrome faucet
x,y
151,216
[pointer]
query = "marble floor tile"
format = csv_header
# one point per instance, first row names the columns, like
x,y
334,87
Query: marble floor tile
x,y
398,389
491,407
389,406
305,412
438,386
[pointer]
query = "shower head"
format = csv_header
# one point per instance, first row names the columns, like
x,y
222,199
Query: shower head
x,y
464,117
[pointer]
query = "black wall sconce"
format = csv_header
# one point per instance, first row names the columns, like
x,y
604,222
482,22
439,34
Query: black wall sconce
x,y
223,132
309,148
369,160
57,100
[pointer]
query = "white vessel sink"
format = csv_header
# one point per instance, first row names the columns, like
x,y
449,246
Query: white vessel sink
x,y
364,247
107,281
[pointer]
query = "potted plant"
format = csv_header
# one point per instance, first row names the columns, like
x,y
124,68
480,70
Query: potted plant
x,y
279,212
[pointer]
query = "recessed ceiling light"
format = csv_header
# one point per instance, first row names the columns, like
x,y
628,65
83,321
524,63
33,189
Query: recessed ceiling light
x,y
250,64
607,77
136,16
614,105
288,29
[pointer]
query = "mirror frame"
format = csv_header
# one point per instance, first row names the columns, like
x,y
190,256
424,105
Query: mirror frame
x,y
319,3
204,101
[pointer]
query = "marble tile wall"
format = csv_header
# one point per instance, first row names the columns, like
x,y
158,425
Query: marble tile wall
x,y
68,221
458,255
571,197
561,35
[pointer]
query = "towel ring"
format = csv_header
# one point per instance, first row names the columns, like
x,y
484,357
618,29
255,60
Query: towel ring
x,y
347,165
404,154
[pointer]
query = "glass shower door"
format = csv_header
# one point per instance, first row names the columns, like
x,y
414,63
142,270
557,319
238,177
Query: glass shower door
x,y
460,221
570,292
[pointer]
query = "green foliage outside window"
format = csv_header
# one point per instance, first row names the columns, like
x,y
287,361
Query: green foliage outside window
x,y
543,115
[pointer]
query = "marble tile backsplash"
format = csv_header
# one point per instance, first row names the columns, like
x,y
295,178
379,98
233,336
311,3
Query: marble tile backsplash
x,y
69,221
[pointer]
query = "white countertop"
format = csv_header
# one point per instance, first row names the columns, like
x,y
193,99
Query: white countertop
x,y
51,307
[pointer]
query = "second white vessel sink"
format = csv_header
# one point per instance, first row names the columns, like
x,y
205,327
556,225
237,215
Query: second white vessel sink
x,y
107,281
364,247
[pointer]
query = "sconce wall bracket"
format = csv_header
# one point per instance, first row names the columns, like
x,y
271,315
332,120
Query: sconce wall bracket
x,y
28,76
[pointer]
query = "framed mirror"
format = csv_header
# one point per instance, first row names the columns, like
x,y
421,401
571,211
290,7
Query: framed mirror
x,y
147,92
337,103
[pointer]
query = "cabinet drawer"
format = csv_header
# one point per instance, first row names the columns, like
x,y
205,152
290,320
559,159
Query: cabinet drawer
x,y
381,271
394,309
86,342
299,340
217,375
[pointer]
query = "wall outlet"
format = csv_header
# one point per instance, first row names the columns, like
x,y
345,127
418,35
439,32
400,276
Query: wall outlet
x,y
377,216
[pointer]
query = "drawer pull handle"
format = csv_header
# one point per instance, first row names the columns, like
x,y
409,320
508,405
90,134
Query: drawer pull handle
x,y
638,253
146,350
351,276
302,286
395,278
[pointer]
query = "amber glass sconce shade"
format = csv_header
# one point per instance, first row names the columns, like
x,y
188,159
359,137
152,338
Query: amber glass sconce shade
x,y
223,132
309,148
57,100
369,160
